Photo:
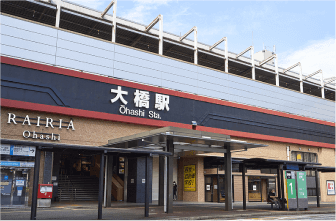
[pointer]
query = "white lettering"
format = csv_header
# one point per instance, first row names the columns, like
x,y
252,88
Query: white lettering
x,y
34,135
11,117
38,121
71,125
119,95
60,124
122,109
152,114
49,121
26,119
47,137
41,136
25,132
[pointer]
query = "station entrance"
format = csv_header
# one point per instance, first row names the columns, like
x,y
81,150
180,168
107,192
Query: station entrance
x,y
76,177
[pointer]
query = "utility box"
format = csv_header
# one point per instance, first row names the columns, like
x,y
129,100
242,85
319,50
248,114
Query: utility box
x,y
44,195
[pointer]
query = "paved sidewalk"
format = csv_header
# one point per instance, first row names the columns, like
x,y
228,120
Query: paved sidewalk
x,y
182,210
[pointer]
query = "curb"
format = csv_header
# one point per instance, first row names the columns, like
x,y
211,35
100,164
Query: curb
x,y
251,215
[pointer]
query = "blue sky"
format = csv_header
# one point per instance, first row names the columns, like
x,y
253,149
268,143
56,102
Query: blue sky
x,y
302,31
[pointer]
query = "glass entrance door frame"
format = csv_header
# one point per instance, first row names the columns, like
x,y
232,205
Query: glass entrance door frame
x,y
18,179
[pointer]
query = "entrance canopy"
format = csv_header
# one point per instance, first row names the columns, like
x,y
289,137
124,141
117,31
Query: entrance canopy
x,y
183,139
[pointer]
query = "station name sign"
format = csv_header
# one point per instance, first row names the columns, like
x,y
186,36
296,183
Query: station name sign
x,y
141,102
38,121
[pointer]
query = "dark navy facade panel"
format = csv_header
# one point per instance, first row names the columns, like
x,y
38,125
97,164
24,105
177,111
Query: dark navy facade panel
x,y
41,87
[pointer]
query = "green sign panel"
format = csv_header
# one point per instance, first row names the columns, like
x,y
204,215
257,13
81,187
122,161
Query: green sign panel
x,y
302,184
291,190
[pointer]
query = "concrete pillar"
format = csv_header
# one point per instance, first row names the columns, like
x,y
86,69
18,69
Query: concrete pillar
x,y
148,190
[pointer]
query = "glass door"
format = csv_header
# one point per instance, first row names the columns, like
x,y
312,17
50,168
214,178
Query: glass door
x,y
254,189
14,183
208,189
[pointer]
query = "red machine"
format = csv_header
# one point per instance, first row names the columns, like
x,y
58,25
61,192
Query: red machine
x,y
45,191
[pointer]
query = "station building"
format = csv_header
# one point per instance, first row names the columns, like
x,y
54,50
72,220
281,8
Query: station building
x,y
75,76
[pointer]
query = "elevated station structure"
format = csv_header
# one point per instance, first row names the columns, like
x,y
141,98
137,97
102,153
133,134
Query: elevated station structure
x,y
71,75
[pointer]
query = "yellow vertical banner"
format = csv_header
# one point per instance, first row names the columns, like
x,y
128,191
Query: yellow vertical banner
x,y
190,178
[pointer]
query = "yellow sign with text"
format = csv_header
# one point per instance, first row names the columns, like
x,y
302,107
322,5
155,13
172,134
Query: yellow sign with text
x,y
190,178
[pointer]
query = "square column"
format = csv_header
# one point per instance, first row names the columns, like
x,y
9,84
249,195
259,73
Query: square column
x,y
170,178
161,180
228,177
109,174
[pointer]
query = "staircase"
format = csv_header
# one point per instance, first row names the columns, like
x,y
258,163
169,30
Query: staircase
x,y
78,188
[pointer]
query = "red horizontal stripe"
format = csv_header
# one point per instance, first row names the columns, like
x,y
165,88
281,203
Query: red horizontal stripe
x,y
72,73
149,122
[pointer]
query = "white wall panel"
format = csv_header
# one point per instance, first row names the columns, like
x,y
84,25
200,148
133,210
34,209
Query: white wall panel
x,y
84,58
83,66
38,42
32,27
138,54
138,62
85,40
28,35
85,49
137,70
26,54
136,77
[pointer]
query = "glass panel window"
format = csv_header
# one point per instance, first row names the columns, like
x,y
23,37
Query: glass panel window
x,y
306,157
293,156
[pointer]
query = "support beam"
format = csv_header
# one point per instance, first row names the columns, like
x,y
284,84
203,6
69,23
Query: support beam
x,y
282,188
318,193
161,180
278,182
251,48
244,187
108,178
108,8
58,14
125,179
101,187
194,29
148,190
161,35
114,22
159,19
226,55
218,186
35,183
170,169
228,177
275,57
301,81
329,80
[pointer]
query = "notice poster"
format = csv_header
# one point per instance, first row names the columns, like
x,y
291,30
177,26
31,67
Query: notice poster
x,y
190,178
331,187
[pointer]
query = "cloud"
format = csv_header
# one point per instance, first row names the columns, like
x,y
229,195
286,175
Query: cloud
x,y
142,10
316,55
94,4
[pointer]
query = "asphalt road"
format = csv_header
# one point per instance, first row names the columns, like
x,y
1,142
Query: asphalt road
x,y
330,216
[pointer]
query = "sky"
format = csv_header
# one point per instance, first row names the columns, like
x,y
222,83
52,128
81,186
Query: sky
x,y
302,31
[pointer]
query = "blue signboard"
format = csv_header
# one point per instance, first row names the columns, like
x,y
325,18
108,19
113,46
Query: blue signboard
x,y
10,163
